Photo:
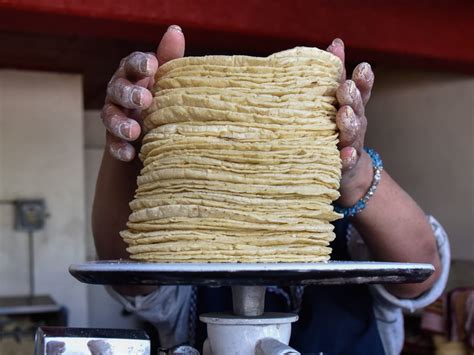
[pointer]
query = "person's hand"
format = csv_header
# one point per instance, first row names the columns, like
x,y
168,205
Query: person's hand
x,y
128,94
352,96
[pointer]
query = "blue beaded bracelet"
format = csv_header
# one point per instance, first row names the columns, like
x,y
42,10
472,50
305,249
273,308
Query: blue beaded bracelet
x,y
362,203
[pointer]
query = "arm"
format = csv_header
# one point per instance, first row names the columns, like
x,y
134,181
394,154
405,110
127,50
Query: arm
x,y
403,234
395,228
127,95
392,225
115,187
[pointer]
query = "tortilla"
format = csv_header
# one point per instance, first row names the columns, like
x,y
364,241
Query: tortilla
x,y
240,160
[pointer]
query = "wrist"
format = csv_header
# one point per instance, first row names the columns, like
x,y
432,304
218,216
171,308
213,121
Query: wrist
x,y
377,167
356,182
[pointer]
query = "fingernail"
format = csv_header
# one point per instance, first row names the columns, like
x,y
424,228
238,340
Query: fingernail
x,y
175,28
123,154
348,118
119,153
143,66
364,70
348,160
348,113
137,96
353,154
338,42
115,151
351,87
125,130
353,157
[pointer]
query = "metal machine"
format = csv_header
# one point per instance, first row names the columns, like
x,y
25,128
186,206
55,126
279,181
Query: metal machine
x,y
248,330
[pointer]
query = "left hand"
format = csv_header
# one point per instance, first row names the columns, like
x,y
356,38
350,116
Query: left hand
x,y
352,96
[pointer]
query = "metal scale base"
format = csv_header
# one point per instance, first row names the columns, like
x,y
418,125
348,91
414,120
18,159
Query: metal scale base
x,y
249,330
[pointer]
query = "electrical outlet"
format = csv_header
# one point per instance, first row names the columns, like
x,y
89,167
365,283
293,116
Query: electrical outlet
x,y
30,215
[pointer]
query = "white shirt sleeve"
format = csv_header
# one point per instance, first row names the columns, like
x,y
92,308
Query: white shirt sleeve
x,y
387,307
167,308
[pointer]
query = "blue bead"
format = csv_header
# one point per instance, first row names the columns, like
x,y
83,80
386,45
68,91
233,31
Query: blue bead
x,y
362,203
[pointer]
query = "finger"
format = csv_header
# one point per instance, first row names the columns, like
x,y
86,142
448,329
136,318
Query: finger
x,y
337,48
363,77
348,94
349,126
119,148
171,45
146,82
123,93
139,65
119,124
349,158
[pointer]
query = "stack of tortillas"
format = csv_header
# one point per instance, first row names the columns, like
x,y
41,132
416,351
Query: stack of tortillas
x,y
240,160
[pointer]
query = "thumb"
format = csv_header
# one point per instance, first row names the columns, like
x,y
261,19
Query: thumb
x,y
171,45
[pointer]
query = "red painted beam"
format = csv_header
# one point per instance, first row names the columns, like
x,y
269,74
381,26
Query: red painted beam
x,y
439,32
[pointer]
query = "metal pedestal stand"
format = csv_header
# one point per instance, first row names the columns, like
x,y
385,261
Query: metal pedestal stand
x,y
249,330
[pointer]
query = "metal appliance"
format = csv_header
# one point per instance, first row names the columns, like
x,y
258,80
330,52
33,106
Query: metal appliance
x,y
248,330
62,340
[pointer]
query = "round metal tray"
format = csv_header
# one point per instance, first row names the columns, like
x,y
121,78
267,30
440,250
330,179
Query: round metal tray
x,y
121,272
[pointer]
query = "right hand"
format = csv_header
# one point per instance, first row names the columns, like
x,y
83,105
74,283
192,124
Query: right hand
x,y
128,93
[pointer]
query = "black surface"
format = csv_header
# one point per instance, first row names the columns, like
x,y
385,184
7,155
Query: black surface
x,y
332,273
